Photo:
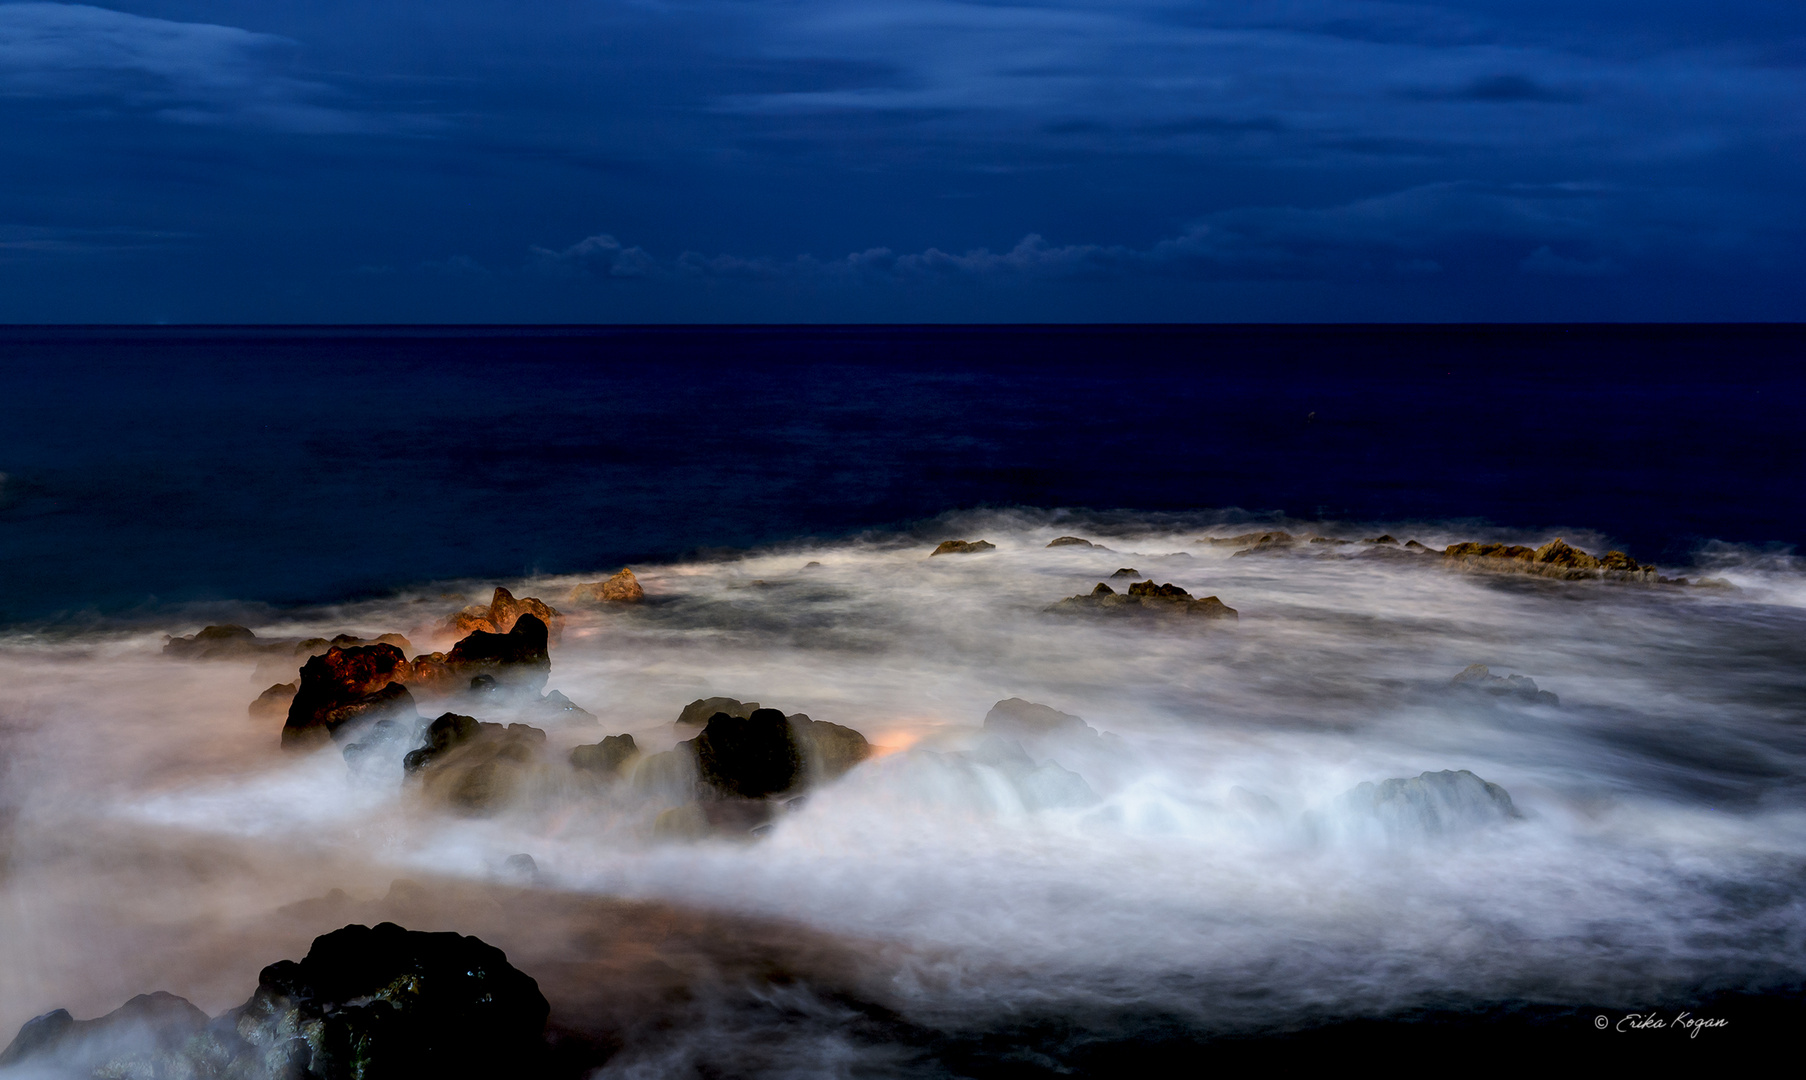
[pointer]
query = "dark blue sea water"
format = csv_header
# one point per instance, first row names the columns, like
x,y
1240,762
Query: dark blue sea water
x,y
151,466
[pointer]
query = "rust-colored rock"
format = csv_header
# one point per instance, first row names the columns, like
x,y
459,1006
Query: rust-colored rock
x,y
1556,559
622,588
962,547
341,686
503,611
1471,549
1557,552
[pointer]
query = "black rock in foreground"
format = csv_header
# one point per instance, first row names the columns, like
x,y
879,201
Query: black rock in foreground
x,y
366,1003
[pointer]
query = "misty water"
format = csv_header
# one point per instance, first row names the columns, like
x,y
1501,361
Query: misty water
x,y
1210,875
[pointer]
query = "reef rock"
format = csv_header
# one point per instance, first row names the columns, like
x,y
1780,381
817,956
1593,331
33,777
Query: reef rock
x,y
518,656
347,687
700,711
1429,804
610,757
962,547
1144,598
1480,679
623,588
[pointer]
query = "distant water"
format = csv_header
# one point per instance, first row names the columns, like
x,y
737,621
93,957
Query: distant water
x,y
147,467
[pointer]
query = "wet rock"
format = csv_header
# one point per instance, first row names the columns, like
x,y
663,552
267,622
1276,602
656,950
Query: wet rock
x,y
1383,538
613,756
1413,545
1557,553
829,750
1430,804
519,656
446,731
1556,559
143,1037
504,612
347,687
521,869
1478,678
1144,598
274,702
1015,718
1329,540
622,588
554,706
215,642
1069,541
1473,550
1268,538
962,547
482,768
1125,572
698,712
748,756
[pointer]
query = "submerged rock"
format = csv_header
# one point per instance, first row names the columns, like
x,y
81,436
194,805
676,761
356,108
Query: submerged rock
x,y
1480,679
274,702
962,547
214,642
611,757
144,1037
1144,598
749,756
1555,559
622,588
699,712
1125,572
829,750
1429,804
518,656
1015,718
1069,541
478,767
1270,538
347,687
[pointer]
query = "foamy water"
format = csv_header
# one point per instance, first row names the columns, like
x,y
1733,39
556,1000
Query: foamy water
x,y
1216,875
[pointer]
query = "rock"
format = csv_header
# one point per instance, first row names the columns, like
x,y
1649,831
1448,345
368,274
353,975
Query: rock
x,y
274,702
1471,549
1144,598
1329,540
1556,559
612,756
962,547
1253,539
215,642
699,711
1477,677
1015,718
623,588
829,750
478,767
504,612
520,868
1415,546
555,706
143,1037
1068,541
1125,572
518,656
1432,803
346,687
1557,553
748,756
1383,538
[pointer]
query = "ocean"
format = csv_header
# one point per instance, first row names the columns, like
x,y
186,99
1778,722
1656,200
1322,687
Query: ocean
x,y
1194,873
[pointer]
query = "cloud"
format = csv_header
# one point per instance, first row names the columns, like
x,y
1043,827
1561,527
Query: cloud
x,y
181,72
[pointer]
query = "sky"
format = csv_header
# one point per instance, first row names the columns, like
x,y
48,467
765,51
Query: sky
x,y
902,160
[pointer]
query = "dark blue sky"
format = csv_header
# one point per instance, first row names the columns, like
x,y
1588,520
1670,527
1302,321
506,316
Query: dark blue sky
x,y
880,160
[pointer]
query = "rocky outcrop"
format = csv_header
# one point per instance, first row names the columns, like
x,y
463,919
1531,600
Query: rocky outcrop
x,y
1268,538
749,757
829,750
1477,678
700,711
612,757
622,588
1556,559
1429,804
1383,538
231,642
344,689
503,611
1144,598
1015,718
1069,541
1126,572
274,702
962,547
365,1003
519,656
478,767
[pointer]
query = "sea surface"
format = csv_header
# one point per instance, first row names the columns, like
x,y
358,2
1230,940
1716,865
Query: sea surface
x,y
1195,878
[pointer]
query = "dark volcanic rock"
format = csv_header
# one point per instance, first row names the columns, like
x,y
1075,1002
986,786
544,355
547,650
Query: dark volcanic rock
x,y
1479,679
482,768
829,750
518,656
962,547
699,711
751,756
1144,598
1432,803
274,702
215,642
143,1037
1069,541
346,685
610,757
622,588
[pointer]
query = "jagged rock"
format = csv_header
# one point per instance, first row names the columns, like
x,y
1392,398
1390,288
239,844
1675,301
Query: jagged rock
x,y
749,756
829,750
343,686
1472,549
143,1037
1125,572
518,656
503,612
1478,678
274,702
622,588
1015,718
1415,546
1556,559
699,711
1144,597
1432,803
1069,541
1557,553
962,547
478,767
610,757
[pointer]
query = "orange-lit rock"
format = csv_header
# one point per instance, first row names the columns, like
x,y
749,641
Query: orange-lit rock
x,y
623,588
